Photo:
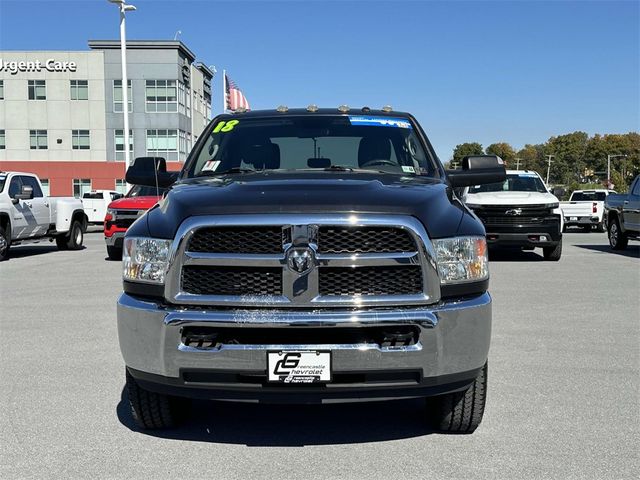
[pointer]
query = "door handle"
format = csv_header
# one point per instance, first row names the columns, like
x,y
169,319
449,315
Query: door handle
x,y
625,202
46,204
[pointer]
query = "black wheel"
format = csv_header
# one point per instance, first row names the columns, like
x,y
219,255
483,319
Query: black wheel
x,y
61,242
460,412
5,243
152,410
76,236
617,238
552,253
114,253
601,227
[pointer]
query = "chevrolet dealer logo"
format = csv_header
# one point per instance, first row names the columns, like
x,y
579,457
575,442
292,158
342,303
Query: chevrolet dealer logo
x,y
514,211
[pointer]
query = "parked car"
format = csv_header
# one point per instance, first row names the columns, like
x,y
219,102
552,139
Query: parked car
x,y
123,212
308,256
95,203
585,209
622,214
27,216
519,212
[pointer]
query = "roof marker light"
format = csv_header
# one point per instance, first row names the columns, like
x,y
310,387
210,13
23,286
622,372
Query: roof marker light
x,y
282,109
240,110
312,108
366,109
343,108
387,108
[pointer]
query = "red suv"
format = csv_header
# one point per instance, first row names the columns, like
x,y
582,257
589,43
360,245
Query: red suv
x,y
123,212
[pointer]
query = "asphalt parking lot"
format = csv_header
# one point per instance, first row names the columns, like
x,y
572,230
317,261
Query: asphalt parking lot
x,y
563,400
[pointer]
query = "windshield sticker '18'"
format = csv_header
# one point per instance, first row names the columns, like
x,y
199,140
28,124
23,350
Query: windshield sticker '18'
x,y
379,121
225,126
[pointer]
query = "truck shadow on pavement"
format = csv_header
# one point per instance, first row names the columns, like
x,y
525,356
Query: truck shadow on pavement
x,y
263,425
515,255
632,251
30,250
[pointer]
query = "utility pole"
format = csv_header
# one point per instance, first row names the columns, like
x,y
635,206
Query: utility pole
x,y
517,164
549,166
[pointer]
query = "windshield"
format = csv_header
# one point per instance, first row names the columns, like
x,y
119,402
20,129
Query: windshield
x,y
521,182
588,197
309,142
145,191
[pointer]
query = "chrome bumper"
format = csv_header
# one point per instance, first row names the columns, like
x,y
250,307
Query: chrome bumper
x,y
115,238
454,337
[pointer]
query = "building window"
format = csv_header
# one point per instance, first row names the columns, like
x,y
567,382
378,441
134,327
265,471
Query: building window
x,y
1,89
119,143
80,139
182,144
2,140
117,96
182,98
163,143
38,139
79,90
81,186
121,186
45,187
161,96
37,90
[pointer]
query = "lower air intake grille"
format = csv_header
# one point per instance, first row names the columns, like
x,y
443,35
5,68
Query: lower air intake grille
x,y
235,281
371,281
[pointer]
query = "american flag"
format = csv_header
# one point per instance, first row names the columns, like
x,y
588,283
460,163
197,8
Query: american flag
x,y
234,97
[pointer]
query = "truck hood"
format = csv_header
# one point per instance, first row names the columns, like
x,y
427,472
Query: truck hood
x,y
510,198
427,199
134,203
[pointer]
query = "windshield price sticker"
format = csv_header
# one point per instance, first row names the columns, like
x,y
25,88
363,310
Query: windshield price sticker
x,y
299,367
363,120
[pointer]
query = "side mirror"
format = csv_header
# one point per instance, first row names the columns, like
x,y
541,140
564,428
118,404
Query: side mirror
x,y
150,171
478,170
26,193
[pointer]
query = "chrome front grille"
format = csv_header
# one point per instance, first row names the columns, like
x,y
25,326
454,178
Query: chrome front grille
x,y
364,240
209,280
371,281
302,261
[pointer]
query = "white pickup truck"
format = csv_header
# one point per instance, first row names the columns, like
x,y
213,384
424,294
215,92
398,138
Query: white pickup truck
x,y
585,209
95,203
26,215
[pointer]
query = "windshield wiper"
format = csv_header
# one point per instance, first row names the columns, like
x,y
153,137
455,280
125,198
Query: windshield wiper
x,y
209,173
338,168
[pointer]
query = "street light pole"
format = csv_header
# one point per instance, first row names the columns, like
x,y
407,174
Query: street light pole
x,y
609,157
123,7
549,167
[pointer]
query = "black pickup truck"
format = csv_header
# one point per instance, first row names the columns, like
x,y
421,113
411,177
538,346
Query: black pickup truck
x,y
622,216
308,256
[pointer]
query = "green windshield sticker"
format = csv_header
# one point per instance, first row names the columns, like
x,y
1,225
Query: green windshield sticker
x,y
225,126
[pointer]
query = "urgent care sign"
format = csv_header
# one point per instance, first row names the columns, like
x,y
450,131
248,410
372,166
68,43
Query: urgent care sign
x,y
51,65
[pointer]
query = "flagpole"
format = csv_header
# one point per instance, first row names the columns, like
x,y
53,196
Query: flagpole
x,y
224,91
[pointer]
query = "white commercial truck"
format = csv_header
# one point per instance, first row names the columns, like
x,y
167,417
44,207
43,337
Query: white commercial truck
x,y
26,215
95,204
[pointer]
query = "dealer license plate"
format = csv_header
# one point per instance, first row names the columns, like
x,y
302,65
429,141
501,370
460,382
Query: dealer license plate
x,y
573,219
299,366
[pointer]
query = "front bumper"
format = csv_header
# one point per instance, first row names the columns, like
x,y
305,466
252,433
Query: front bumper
x,y
116,239
453,345
545,234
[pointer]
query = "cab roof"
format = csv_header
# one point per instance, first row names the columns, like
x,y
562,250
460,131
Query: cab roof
x,y
320,111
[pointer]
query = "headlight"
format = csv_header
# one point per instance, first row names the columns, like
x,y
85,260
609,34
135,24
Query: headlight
x,y
145,259
111,212
552,205
472,206
462,259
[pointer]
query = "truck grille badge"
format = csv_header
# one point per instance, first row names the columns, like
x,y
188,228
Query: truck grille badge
x,y
300,260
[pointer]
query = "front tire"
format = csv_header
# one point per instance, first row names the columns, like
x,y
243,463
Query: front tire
x,y
552,254
460,412
5,243
617,239
114,253
151,410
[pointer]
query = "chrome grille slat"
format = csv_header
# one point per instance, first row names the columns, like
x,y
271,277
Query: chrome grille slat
x,y
419,284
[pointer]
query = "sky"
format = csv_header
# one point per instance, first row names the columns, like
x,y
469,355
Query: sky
x,y
481,71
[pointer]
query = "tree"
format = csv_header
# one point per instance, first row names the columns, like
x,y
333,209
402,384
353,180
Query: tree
x,y
504,151
568,160
465,149
532,158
